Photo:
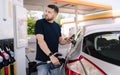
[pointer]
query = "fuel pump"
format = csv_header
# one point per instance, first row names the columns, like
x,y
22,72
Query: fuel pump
x,y
6,57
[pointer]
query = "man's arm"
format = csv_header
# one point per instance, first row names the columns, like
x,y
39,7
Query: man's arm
x,y
43,44
63,41
45,48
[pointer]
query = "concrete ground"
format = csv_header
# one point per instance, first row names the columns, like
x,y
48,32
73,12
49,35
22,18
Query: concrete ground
x,y
31,50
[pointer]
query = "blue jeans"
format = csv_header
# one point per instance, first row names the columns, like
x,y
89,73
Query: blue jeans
x,y
46,70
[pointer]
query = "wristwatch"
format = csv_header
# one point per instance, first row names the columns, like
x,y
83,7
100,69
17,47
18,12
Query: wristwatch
x,y
50,54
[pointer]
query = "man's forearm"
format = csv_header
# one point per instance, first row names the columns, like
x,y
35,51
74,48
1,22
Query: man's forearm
x,y
46,50
44,47
43,44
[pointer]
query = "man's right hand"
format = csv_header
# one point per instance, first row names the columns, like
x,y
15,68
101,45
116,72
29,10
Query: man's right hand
x,y
54,60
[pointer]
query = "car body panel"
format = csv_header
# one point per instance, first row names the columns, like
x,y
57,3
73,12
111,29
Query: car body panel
x,y
100,66
89,29
108,68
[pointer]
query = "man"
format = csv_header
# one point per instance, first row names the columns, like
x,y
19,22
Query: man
x,y
48,35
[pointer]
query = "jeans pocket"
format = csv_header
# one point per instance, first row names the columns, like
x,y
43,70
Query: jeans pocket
x,y
54,66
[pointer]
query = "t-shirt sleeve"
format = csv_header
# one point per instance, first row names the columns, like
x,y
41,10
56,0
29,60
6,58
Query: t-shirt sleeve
x,y
38,27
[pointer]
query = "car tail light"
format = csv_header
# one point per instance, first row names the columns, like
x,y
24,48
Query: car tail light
x,y
74,68
90,67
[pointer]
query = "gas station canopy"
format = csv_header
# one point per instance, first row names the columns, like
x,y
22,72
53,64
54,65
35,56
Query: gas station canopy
x,y
67,6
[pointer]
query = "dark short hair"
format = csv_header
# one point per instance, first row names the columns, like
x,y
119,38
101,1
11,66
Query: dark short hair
x,y
56,9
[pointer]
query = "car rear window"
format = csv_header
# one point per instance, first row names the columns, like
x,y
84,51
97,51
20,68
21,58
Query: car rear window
x,y
103,45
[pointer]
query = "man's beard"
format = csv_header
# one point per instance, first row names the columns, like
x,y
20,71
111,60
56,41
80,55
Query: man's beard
x,y
49,19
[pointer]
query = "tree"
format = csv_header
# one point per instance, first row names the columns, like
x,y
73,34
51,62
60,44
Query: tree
x,y
30,25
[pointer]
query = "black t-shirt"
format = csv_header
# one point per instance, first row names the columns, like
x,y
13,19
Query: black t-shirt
x,y
51,32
